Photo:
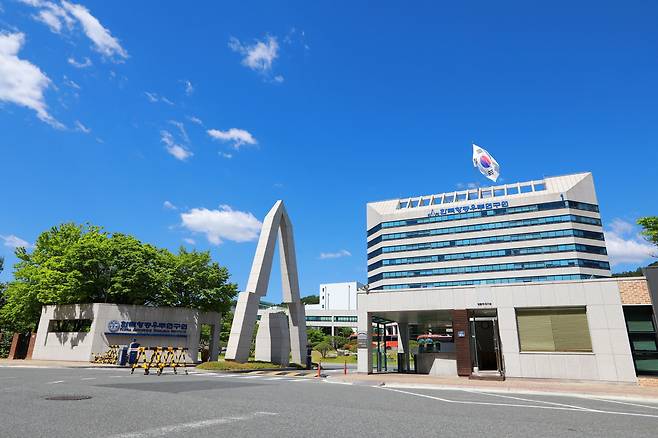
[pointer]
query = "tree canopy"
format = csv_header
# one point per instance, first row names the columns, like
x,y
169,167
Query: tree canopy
x,y
310,299
72,264
649,226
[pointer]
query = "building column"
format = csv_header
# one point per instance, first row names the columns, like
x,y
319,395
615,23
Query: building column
x,y
403,343
364,340
214,340
14,346
460,329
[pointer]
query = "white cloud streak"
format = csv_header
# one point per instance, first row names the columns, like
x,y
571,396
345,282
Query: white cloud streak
x,y
22,82
189,88
77,64
222,224
169,206
238,137
258,56
335,255
155,98
12,241
103,41
626,245
176,150
81,128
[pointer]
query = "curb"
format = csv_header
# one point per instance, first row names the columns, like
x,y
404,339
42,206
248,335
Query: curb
x,y
589,396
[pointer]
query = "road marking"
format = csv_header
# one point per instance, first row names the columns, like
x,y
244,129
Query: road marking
x,y
276,378
525,399
557,408
116,377
88,378
251,377
183,427
622,403
53,383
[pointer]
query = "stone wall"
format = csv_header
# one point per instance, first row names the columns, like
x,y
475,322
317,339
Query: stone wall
x,y
634,290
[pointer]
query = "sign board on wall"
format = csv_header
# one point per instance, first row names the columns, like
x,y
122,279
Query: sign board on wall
x,y
147,328
362,340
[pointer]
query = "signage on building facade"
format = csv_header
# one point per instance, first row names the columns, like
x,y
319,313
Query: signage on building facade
x,y
152,328
468,208
362,340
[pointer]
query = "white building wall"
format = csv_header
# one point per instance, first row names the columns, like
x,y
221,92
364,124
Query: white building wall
x,y
339,296
610,359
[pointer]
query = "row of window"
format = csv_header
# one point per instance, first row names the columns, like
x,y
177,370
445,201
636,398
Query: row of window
x,y
485,281
472,194
487,240
553,330
329,318
484,210
548,249
521,266
489,226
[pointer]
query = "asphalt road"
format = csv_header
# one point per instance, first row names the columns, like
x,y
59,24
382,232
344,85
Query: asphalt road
x,y
216,405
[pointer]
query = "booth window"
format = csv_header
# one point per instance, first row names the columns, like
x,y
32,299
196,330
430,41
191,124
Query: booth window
x,y
553,330
69,325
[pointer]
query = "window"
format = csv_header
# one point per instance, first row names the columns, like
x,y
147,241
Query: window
x,y
448,198
69,325
414,203
424,202
540,187
486,193
499,192
318,318
403,204
512,190
526,189
642,334
461,196
553,330
346,319
472,195
436,200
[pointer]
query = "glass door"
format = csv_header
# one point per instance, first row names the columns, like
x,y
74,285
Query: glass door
x,y
485,344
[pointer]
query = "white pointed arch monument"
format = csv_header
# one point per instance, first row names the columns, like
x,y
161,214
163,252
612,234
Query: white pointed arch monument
x,y
246,309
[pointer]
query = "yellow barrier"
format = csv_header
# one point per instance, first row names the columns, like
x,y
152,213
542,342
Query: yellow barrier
x,y
160,358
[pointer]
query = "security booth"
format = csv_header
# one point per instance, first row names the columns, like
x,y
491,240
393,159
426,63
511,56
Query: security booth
x,y
79,332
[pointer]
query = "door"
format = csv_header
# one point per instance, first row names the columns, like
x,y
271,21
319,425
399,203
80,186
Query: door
x,y
485,344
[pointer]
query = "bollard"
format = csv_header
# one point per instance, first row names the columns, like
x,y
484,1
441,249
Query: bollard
x,y
345,369
319,368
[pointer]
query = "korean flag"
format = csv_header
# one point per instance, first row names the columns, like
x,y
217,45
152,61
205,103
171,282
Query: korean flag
x,y
485,163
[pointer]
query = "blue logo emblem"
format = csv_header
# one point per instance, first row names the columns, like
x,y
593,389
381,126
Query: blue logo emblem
x,y
113,326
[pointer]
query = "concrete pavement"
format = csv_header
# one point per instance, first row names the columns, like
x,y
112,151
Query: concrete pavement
x,y
235,405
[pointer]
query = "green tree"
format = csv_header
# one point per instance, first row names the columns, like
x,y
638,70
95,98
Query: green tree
x,y
339,341
310,299
84,264
649,226
315,336
323,348
345,332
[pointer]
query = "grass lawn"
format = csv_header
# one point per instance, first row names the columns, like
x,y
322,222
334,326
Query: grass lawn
x,y
224,365
317,357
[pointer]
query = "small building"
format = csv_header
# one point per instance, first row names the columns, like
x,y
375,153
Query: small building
x,y
76,332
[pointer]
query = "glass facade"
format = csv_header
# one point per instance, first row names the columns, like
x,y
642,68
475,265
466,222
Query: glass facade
x,y
488,240
491,254
521,266
487,281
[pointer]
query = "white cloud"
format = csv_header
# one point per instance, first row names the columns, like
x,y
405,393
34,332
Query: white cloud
x,y
278,78
22,82
222,224
189,88
56,17
181,129
335,255
71,83
81,128
77,64
258,56
169,206
155,98
12,241
179,152
239,137
226,155
103,40
189,241
626,245
195,120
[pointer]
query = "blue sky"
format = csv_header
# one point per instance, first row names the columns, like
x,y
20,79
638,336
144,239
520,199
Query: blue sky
x,y
182,123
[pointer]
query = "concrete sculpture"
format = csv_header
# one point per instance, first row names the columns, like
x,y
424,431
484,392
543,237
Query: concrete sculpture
x,y
246,309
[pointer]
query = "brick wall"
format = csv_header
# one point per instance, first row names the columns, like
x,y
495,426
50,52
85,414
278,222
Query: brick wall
x,y
634,291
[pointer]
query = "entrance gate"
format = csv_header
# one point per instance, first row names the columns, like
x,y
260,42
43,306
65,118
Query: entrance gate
x,y
485,345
